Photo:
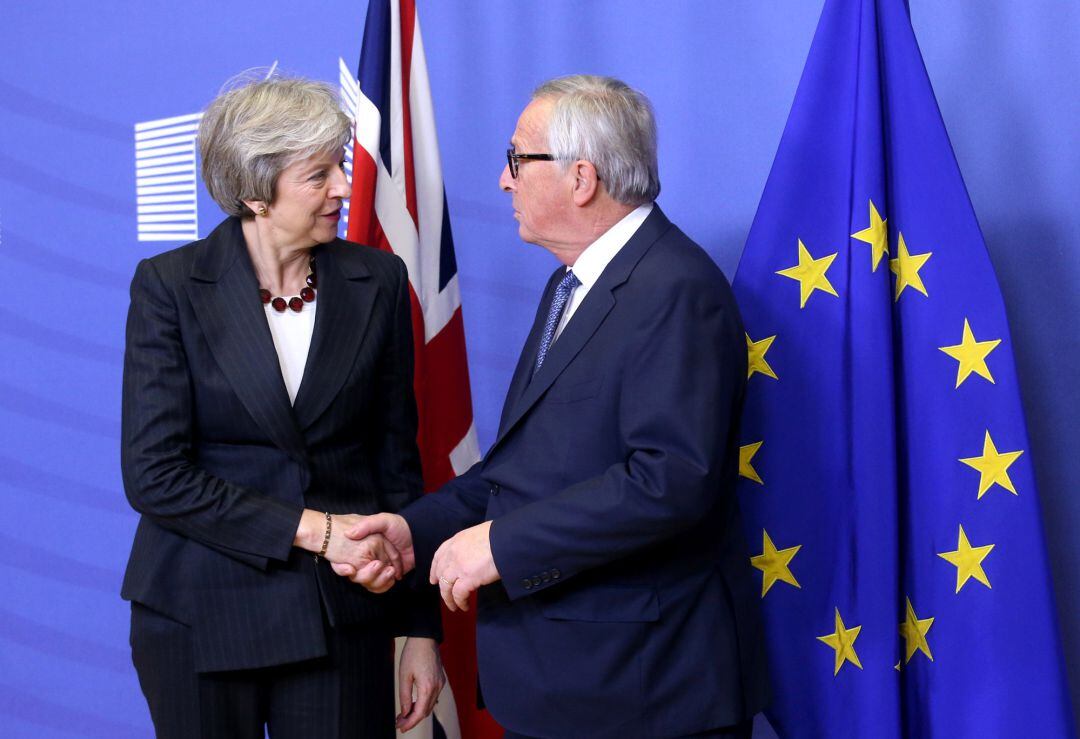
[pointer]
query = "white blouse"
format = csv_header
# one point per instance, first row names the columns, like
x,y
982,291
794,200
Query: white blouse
x,y
292,339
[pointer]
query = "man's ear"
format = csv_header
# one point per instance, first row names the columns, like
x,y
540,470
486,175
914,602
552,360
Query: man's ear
x,y
586,182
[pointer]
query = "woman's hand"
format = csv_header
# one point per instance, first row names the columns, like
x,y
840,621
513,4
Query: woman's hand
x,y
373,557
420,671
395,530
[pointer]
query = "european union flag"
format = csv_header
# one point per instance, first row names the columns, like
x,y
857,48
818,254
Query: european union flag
x,y
888,479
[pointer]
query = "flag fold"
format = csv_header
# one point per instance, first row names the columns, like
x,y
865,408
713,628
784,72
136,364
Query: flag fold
x,y
398,204
886,473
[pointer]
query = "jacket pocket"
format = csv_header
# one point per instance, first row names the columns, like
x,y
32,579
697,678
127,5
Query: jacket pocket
x,y
571,392
604,603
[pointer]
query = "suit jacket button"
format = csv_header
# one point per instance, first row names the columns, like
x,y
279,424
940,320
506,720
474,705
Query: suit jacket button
x,y
536,581
545,576
494,489
527,584
555,574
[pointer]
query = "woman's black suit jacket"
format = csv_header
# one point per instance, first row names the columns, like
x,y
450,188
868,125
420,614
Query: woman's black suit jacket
x,y
220,465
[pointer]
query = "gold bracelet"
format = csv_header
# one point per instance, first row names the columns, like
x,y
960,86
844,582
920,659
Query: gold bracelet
x,y
326,539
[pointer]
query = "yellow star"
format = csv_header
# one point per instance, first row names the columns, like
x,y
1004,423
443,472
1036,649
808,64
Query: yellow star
x,y
843,642
746,453
971,355
914,632
756,357
774,564
968,561
876,235
810,274
993,467
906,268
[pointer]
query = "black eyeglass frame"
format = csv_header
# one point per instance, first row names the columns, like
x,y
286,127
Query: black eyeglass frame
x,y
512,159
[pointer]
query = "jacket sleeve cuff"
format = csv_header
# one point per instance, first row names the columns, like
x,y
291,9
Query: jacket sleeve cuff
x,y
430,524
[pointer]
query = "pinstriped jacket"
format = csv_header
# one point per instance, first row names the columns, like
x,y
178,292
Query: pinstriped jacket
x,y
220,465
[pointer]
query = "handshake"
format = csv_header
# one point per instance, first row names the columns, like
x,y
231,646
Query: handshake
x,y
377,551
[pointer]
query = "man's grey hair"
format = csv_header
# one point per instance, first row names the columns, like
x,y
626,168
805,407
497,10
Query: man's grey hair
x,y
610,124
256,128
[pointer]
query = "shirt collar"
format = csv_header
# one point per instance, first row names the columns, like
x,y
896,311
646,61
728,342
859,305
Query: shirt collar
x,y
599,253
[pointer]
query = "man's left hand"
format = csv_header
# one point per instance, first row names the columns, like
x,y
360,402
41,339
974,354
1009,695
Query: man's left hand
x,y
462,564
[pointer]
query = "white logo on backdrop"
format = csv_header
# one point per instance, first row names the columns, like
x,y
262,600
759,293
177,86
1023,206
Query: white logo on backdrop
x,y
350,99
165,169
166,199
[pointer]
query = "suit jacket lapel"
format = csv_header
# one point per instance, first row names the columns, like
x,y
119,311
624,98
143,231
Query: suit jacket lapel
x,y
523,371
345,300
587,319
223,292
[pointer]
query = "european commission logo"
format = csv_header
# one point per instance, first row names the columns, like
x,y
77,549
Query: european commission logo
x,y
166,177
166,199
350,100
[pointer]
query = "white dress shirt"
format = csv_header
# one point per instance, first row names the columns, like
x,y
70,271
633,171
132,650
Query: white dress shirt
x,y
597,255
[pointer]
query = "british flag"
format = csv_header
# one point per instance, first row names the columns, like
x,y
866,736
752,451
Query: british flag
x,y
399,204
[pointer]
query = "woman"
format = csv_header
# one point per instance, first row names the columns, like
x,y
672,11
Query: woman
x,y
267,395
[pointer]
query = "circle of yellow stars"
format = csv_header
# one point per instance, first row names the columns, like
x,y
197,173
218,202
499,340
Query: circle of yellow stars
x,y
993,466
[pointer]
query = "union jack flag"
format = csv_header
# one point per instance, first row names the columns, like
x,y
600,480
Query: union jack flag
x,y
398,204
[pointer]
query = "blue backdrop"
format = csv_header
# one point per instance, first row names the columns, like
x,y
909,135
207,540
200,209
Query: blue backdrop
x,y
76,79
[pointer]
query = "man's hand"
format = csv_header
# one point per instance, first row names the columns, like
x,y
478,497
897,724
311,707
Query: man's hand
x,y
462,564
375,558
419,671
391,528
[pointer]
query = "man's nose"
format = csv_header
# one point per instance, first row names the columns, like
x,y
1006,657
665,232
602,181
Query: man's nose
x,y
506,182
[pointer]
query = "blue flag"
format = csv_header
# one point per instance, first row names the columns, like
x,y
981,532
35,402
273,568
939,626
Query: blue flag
x,y
887,478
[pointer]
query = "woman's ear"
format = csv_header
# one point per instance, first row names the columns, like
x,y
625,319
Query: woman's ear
x,y
258,207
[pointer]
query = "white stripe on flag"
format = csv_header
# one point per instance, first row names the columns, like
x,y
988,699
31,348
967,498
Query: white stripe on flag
x,y
368,123
439,306
397,224
390,207
397,135
466,453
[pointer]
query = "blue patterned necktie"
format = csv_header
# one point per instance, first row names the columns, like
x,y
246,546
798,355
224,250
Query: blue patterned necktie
x,y
558,303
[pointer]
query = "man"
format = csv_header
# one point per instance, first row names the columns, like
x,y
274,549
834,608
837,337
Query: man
x,y
601,529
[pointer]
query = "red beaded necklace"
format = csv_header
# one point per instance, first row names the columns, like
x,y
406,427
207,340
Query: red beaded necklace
x,y
296,303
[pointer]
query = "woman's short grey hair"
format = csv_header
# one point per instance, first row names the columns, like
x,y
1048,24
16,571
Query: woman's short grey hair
x,y
608,123
255,129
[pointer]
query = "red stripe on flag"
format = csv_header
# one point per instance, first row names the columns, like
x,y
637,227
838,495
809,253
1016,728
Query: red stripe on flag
x,y
459,660
408,23
362,220
444,405
441,375
441,380
443,389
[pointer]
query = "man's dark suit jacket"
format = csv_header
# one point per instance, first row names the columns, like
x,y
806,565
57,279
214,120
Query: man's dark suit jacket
x,y
220,465
626,607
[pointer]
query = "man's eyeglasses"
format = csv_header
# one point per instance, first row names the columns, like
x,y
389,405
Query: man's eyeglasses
x,y
512,159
